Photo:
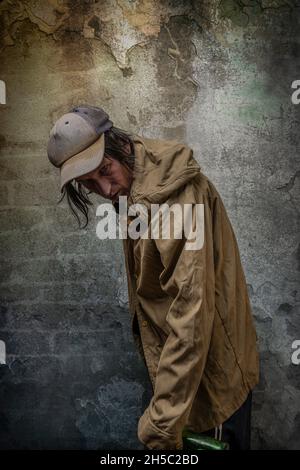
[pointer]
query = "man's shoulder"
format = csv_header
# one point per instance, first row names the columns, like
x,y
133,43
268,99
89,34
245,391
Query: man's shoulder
x,y
158,142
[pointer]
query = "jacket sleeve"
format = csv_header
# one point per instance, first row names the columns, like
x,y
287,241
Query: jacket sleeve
x,y
189,324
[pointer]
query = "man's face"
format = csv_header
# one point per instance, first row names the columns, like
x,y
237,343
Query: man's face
x,y
110,179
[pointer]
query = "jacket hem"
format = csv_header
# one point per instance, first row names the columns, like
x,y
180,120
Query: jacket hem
x,y
226,413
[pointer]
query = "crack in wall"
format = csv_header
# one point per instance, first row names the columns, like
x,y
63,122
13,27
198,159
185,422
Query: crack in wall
x,y
14,12
288,186
175,54
118,24
240,12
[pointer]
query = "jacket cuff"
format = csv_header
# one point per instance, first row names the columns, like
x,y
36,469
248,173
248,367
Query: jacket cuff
x,y
154,438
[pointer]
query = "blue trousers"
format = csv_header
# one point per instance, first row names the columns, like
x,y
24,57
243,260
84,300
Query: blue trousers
x,y
236,430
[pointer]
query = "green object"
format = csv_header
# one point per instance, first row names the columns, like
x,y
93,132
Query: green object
x,y
195,441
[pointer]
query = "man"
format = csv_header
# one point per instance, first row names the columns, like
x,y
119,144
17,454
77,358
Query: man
x,y
191,315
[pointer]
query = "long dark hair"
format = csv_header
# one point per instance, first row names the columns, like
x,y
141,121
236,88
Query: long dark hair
x,y
77,195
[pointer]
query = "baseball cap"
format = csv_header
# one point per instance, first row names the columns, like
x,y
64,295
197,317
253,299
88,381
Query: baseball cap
x,y
76,143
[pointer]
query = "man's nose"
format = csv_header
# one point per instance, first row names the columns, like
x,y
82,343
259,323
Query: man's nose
x,y
105,187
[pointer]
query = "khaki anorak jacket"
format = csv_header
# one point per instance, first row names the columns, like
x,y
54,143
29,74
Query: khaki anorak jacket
x,y
190,312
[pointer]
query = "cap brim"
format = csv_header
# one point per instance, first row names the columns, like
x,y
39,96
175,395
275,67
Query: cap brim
x,y
83,162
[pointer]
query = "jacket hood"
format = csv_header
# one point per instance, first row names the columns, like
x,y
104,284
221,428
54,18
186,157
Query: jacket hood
x,y
161,167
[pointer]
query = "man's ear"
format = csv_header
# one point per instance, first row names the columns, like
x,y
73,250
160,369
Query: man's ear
x,y
128,148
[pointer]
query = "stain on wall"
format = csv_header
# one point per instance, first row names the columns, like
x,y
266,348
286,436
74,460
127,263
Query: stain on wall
x,y
215,74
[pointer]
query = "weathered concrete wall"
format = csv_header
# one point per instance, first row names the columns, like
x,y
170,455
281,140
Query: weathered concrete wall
x,y
216,74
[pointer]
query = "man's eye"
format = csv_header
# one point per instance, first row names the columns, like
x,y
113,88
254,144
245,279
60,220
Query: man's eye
x,y
104,170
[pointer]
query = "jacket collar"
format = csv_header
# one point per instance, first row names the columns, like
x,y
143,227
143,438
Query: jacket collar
x,y
161,167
